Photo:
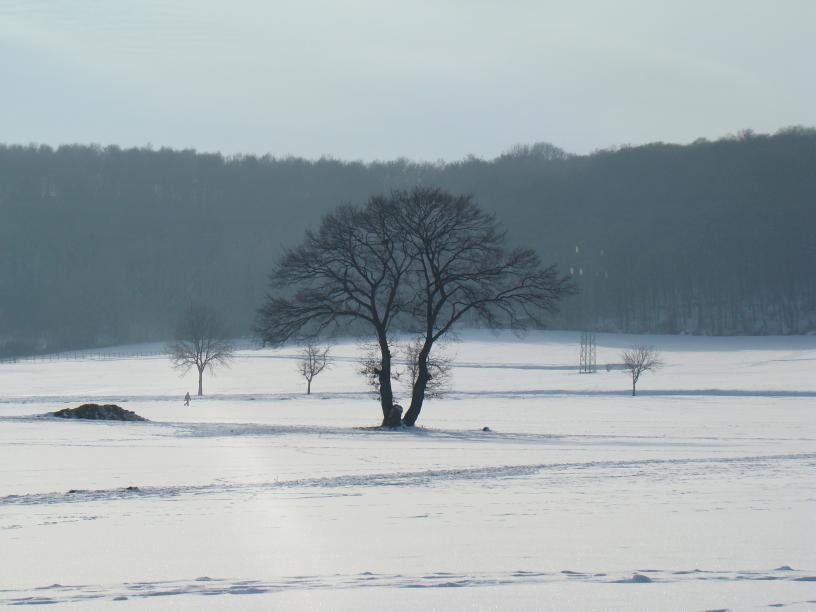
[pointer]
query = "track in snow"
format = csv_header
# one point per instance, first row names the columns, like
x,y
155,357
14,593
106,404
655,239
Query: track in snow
x,y
405,479
57,593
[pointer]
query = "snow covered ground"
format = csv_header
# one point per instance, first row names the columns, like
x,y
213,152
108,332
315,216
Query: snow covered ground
x,y
698,494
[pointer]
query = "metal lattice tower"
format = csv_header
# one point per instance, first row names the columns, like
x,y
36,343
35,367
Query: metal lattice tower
x,y
587,363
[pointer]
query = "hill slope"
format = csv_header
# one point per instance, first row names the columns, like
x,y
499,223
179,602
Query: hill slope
x,y
107,245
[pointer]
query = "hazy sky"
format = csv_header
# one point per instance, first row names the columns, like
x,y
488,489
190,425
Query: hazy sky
x,y
422,79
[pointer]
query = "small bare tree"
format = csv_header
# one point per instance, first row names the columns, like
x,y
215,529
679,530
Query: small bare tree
x,y
202,341
370,367
639,359
439,368
313,360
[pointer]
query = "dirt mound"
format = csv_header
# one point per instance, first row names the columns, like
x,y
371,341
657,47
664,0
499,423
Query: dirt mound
x,y
95,412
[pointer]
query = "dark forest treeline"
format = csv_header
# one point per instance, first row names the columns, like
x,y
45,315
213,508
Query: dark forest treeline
x,y
106,245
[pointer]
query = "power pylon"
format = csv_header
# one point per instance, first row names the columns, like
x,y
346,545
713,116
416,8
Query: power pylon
x,y
587,363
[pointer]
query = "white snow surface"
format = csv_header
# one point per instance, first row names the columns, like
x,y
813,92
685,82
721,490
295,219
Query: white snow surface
x,y
698,494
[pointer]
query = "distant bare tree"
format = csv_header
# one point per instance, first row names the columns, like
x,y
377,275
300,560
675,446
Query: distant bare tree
x,y
639,359
201,340
313,360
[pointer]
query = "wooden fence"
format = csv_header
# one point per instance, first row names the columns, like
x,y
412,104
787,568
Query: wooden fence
x,y
85,356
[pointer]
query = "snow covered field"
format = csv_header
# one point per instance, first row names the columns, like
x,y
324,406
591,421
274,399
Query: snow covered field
x,y
698,494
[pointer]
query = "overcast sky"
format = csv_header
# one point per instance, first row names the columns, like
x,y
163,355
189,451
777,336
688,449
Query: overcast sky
x,y
427,80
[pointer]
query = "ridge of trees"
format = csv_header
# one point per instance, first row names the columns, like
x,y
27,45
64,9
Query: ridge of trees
x,y
106,245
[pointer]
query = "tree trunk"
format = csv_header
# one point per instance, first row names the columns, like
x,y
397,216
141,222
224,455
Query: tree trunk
x,y
634,381
386,393
420,386
200,377
308,386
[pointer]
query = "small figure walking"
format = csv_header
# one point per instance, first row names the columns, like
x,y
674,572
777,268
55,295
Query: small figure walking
x,y
187,399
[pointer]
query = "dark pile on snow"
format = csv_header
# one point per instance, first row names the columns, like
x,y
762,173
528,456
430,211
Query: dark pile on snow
x,y
95,412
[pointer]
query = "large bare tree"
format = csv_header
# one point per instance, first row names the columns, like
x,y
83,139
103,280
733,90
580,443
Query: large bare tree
x,y
422,259
201,341
639,359
347,272
462,270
